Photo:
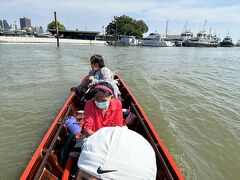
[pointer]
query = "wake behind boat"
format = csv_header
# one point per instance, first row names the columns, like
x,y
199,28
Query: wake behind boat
x,y
56,157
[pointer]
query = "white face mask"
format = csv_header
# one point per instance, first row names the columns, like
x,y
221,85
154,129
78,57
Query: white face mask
x,y
102,105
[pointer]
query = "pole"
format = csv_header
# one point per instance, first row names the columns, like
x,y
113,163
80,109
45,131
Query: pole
x,y
56,26
115,35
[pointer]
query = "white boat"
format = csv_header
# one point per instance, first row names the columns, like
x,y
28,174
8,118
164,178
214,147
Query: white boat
x,y
238,43
125,41
156,40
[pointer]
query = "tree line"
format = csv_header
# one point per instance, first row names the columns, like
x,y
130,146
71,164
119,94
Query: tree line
x,y
120,25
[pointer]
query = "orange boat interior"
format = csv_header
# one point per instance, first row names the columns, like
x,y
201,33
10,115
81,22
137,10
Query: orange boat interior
x,y
58,156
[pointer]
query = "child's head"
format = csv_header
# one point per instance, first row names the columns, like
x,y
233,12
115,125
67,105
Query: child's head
x,y
97,61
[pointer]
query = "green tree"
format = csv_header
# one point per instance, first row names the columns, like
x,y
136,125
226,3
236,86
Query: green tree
x,y
125,25
51,25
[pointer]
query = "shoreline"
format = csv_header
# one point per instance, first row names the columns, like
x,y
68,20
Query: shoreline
x,y
34,40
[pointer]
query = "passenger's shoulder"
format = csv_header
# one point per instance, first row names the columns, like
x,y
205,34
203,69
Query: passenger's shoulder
x,y
117,102
105,69
89,102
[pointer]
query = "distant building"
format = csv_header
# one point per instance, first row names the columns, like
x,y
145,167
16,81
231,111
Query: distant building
x,y
13,26
5,25
39,29
25,23
1,24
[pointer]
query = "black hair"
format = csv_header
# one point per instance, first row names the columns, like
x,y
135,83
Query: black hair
x,y
104,93
97,58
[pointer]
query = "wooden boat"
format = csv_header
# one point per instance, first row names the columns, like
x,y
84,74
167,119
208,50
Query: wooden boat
x,y
54,159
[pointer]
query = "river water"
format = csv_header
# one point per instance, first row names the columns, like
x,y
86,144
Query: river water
x,y
191,95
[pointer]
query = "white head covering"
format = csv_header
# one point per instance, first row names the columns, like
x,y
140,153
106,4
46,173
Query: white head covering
x,y
118,153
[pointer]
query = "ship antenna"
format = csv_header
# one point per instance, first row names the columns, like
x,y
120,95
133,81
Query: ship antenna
x,y
205,24
185,26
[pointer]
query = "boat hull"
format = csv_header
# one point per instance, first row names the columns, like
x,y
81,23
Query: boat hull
x,y
198,44
47,162
228,44
158,44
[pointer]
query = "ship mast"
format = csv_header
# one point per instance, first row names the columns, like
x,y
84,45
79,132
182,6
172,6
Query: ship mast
x,y
167,28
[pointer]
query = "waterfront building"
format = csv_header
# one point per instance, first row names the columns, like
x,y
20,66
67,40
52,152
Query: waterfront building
x,y
71,34
25,23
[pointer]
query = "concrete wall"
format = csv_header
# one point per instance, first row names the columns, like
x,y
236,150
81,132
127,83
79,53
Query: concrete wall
x,y
9,39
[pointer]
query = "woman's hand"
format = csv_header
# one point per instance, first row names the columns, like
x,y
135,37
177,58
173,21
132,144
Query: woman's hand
x,y
74,89
90,85
89,132
91,78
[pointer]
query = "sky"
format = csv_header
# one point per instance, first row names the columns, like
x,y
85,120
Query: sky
x,y
221,15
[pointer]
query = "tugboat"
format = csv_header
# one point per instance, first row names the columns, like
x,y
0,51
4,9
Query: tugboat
x,y
227,42
186,34
238,43
203,39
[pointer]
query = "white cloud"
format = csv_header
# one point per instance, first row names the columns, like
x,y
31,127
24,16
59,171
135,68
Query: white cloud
x,y
151,9
215,14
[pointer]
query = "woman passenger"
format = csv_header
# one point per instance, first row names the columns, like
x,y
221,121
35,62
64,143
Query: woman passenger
x,y
98,74
102,74
103,110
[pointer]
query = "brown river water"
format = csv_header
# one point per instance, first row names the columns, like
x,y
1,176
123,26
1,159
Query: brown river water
x,y
191,95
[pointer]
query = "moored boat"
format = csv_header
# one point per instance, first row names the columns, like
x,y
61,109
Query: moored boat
x,y
203,39
55,158
238,43
124,40
156,40
227,42
187,33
